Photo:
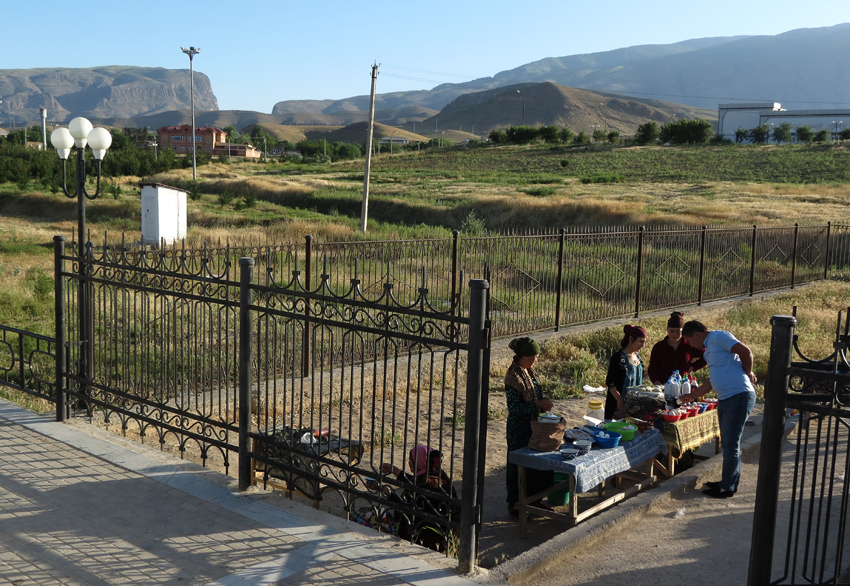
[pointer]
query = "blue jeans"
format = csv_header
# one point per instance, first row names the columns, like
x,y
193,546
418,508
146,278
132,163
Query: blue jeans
x,y
732,414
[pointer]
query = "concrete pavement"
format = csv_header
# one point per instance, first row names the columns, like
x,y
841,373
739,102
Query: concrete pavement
x,y
86,508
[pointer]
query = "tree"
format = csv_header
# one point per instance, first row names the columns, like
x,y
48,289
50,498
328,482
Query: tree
x,y
844,134
548,134
782,133
498,136
822,135
804,134
581,138
760,134
741,134
566,134
614,136
647,133
599,135
694,131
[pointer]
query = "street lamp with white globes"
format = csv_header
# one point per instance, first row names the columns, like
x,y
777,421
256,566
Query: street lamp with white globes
x,y
78,134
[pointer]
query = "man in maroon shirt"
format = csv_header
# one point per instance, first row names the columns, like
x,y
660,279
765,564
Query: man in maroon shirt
x,y
673,353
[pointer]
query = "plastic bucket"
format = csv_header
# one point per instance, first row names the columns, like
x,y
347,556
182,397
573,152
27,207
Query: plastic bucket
x,y
559,498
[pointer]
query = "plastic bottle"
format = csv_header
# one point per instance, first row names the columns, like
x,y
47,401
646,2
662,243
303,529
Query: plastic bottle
x,y
685,387
596,409
694,383
672,388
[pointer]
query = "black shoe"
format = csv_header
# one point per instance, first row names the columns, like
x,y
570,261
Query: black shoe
x,y
712,484
718,493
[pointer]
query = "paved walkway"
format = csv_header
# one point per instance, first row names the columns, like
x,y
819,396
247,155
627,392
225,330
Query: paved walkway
x,y
77,508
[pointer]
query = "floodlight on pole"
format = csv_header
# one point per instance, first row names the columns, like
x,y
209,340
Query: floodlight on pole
x,y
191,52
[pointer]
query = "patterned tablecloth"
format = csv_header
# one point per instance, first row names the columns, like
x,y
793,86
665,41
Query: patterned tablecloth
x,y
598,464
690,433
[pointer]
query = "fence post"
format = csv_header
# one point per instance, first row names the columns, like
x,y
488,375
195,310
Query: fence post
x,y
59,311
474,380
246,276
639,271
701,264
753,263
794,255
559,287
826,252
308,284
454,303
770,458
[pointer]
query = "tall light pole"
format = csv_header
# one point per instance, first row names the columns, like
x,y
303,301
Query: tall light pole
x,y
77,135
191,52
836,125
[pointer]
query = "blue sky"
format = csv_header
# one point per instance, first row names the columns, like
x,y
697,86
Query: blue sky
x,y
258,53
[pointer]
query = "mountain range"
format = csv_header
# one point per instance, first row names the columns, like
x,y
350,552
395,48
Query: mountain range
x,y
798,68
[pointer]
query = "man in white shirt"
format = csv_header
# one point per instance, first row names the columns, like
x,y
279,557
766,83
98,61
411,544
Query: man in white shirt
x,y
730,372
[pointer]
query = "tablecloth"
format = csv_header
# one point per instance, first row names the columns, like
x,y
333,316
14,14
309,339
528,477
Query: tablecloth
x,y
690,433
598,464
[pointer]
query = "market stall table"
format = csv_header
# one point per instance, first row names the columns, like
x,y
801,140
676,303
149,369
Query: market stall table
x,y
586,472
688,434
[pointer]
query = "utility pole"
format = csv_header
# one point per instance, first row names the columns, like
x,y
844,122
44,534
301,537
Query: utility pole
x,y
364,210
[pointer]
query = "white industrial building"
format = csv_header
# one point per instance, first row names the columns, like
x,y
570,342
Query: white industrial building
x,y
731,117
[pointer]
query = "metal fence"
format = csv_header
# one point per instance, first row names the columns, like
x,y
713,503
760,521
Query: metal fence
x,y
542,281
316,389
802,497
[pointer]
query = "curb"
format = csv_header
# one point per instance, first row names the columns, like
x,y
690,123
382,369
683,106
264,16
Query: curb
x,y
531,566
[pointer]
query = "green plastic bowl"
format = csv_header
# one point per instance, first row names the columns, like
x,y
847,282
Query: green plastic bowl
x,y
617,426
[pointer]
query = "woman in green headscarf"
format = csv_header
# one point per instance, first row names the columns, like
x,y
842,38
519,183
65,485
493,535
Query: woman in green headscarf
x,y
525,402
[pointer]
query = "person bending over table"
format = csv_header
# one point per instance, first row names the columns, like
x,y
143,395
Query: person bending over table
x,y
730,371
525,402
625,369
673,353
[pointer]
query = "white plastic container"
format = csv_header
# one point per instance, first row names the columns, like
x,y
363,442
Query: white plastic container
x,y
596,409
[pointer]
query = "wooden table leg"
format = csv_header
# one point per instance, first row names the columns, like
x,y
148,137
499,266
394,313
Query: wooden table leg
x,y
523,504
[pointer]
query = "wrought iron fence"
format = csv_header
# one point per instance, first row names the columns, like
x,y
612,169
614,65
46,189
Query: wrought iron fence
x,y
541,281
802,497
28,362
342,382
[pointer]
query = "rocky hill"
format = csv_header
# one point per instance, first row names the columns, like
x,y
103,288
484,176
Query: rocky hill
x,y
101,93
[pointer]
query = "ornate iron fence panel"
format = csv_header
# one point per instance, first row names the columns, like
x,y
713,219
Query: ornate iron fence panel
x,y
811,261
671,268
161,346
728,260
28,362
803,493
838,251
385,375
600,275
523,276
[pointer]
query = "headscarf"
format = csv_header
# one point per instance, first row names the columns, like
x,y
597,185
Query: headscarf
x,y
522,379
677,320
419,457
524,347
634,331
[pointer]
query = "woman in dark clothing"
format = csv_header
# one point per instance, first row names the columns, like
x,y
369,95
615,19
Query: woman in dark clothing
x,y
673,353
525,402
625,369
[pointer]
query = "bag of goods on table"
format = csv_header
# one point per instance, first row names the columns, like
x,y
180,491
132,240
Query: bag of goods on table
x,y
644,399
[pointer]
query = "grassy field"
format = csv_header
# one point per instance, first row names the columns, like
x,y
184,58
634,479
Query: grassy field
x,y
428,194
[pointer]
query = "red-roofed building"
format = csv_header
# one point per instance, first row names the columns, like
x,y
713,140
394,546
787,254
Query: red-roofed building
x,y
179,138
